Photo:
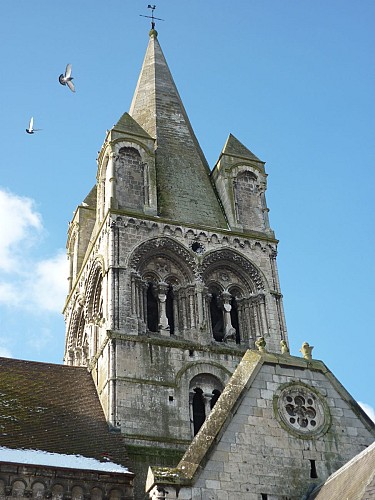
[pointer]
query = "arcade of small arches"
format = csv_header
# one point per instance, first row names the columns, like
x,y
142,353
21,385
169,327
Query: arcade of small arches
x,y
88,310
39,489
172,294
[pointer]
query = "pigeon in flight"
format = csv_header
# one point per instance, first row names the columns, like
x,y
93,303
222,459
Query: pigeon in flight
x,y
31,129
67,78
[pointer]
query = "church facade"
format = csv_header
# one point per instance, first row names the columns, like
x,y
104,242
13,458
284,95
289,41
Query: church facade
x,y
175,309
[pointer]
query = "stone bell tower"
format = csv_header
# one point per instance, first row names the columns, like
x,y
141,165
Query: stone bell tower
x,y
172,271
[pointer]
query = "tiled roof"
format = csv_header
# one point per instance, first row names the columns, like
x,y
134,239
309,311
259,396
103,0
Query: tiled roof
x,y
354,481
54,408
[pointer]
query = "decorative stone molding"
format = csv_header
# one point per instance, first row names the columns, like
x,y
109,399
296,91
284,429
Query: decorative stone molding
x,y
242,266
167,249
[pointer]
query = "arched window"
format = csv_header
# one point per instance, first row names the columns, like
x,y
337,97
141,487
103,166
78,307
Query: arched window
x,y
130,186
248,201
152,309
18,489
236,294
38,490
169,266
77,493
205,390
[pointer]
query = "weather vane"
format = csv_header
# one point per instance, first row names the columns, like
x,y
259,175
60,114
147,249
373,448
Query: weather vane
x,y
152,17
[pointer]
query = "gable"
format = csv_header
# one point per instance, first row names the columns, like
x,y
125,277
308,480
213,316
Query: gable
x,y
285,431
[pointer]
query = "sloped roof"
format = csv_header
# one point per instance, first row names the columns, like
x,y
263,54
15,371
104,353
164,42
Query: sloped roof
x,y
54,408
354,481
234,147
127,124
185,190
91,197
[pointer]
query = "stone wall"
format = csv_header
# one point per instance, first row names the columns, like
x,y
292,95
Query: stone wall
x,y
292,427
26,481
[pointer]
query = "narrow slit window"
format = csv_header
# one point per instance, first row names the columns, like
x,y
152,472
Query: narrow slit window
x,y
313,473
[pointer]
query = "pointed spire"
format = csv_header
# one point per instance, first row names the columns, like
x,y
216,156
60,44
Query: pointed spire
x,y
128,125
185,190
233,147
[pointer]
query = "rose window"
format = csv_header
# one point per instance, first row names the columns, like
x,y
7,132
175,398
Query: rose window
x,y
302,410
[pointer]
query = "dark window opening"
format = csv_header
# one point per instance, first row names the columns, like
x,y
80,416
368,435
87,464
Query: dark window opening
x,y
169,310
217,319
191,353
234,319
170,398
152,309
264,496
199,414
215,397
313,473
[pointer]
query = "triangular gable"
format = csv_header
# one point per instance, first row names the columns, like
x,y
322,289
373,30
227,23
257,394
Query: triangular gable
x,y
205,442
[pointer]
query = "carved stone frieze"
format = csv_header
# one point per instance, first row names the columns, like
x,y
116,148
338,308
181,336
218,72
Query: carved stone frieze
x,y
168,250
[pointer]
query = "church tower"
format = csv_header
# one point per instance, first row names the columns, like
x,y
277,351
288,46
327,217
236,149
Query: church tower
x,y
172,271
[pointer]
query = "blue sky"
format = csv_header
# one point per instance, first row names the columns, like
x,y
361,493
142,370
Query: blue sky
x,y
293,80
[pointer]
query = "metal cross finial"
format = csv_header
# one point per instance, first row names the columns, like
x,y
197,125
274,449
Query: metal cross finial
x,y
152,17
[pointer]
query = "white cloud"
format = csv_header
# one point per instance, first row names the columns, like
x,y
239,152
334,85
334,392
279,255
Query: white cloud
x,y
20,223
9,294
40,339
34,284
5,353
49,283
368,409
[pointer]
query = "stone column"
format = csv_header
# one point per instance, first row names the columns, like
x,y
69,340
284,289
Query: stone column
x,y
208,298
275,274
176,315
111,177
144,285
112,383
229,331
111,278
133,291
162,297
244,329
200,290
263,315
70,358
191,296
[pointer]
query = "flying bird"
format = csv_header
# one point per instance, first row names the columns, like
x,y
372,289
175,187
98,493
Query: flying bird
x,y
67,78
31,129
